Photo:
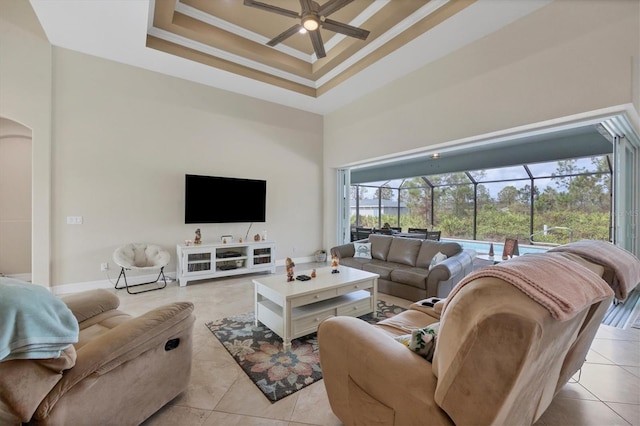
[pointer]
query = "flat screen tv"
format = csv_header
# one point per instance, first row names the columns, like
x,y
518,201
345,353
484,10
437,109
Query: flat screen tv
x,y
215,199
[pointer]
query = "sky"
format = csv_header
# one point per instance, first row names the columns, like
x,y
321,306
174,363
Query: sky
x,y
506,173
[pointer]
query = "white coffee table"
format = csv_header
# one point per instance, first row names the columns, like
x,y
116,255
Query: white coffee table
x,y
294,309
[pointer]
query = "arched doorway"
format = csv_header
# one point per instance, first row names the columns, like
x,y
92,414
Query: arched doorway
x,y
15,199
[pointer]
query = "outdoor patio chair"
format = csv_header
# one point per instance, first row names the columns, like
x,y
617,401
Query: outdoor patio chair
x,y
362,233
418,230
433,235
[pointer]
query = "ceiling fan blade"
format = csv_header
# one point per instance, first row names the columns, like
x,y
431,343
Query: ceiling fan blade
x,y
285,35
345,29
318,45
307,6
271,8
332,6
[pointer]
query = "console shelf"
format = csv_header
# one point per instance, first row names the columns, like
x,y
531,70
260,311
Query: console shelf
x,y
204,261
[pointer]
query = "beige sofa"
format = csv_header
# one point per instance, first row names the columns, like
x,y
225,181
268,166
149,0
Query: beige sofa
x,y
500,355
403,265
121,370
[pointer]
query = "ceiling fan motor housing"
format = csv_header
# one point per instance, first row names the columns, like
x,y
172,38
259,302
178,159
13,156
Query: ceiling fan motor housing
x,y
312,18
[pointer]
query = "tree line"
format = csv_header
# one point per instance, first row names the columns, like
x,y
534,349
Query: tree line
x,y
570,197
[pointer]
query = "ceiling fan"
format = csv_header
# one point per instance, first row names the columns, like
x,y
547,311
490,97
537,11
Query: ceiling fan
x,y
312,18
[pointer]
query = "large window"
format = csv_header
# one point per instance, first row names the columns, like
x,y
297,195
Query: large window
x,y
553,203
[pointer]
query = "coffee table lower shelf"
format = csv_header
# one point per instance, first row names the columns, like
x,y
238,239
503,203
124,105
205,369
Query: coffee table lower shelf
x,y
305,319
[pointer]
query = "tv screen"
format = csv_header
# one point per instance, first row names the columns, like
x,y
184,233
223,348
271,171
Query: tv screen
x,y
215,199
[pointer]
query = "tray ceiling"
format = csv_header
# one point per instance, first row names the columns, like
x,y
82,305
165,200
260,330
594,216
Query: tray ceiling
x,y
222,43
231,36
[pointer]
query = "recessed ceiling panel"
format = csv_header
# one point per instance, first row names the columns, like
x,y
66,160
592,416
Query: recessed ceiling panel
x,y
233,36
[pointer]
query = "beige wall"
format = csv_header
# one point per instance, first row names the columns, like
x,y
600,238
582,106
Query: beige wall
x,y
125,137
15,199
25,97
567,58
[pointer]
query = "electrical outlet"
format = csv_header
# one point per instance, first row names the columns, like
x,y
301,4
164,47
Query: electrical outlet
x,y
104,266
293,249
74,220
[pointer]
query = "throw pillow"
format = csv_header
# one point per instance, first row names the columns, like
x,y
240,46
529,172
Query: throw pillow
x,y
437,258
422,340
363,250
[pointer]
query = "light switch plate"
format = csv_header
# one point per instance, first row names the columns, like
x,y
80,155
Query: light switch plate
x,y
74,220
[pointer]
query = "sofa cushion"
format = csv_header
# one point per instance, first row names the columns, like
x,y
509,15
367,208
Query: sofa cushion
x,y
429,248
362,250
416,277
404,250
384,269
354,262
380,245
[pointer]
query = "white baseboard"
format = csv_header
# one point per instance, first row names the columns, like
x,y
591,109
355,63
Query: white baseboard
x,y
171,276
108,283
22,277
296,260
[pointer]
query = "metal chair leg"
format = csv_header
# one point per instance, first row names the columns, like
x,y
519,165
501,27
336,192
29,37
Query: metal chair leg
x,y
127,286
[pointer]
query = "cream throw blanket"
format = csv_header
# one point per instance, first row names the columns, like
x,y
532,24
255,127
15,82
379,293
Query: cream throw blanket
x,y
625,266
563,287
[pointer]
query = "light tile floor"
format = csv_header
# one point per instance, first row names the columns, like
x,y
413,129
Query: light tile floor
x,y
220,393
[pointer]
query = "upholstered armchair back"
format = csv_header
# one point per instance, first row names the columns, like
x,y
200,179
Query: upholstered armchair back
x,y
525,354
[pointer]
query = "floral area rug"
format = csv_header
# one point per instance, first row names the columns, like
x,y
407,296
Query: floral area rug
x,y
260,354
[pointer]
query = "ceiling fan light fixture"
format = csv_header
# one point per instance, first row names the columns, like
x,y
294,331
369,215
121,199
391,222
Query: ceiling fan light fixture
x,y
310,22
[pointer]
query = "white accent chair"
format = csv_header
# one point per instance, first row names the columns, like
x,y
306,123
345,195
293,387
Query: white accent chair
x,y
141,257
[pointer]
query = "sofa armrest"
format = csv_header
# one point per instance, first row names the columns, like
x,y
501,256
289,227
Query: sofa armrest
x,y
344,250
27,381
372,379
450,271
121,344
88,304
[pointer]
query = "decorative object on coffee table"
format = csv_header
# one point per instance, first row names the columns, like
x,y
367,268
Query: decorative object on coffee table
x,y
313,273
334,265
491,253
290,266
198,238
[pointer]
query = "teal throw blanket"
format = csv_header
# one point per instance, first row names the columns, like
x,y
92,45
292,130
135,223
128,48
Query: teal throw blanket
x,y
34,324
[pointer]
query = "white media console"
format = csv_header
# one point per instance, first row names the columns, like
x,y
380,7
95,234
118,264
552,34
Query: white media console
x,y
203,261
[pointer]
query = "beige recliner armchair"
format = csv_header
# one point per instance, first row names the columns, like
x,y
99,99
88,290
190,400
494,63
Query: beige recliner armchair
x,y
121,370
510,336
